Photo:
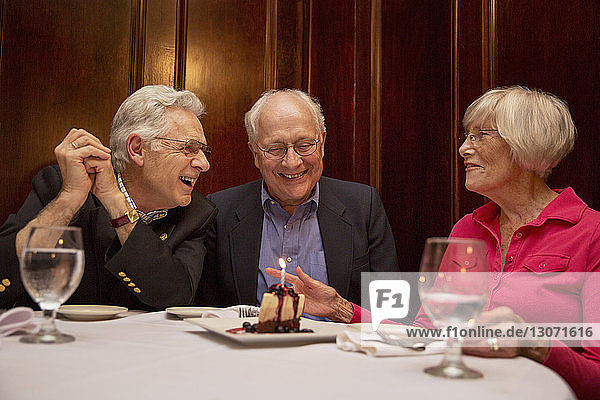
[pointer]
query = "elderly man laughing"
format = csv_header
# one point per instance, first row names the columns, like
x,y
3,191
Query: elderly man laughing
x,y
143,225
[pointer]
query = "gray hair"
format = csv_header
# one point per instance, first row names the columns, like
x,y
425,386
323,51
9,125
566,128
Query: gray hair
x,y
144,113
252,116
537,125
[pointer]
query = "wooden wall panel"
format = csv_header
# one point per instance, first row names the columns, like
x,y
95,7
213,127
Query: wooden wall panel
x,y
63,65
394,78
292,43
554,46
159,57
416,123
470,79
331,80
364,79
225,68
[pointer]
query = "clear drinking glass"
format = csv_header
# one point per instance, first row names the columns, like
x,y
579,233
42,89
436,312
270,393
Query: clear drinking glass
x,y
51,269
454,288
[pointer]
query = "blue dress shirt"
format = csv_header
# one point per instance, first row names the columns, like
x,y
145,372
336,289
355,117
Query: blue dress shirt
x,y
296,238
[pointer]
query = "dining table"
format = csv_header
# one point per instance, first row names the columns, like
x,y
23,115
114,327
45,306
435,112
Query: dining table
x,y
157,355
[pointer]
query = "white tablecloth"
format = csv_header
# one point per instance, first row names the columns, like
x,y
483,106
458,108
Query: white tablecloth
x,y
150,356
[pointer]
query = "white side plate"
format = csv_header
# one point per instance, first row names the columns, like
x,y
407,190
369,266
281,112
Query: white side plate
x,y
86,312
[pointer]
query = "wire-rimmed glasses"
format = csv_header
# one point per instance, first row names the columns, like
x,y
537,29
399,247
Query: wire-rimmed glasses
x,y
191,147
476,135
277,151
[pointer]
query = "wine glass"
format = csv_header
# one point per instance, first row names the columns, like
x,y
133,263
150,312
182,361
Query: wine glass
x,y
454,288
51,269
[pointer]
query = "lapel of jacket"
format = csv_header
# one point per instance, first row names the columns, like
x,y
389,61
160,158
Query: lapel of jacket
x,y
336,236
245,238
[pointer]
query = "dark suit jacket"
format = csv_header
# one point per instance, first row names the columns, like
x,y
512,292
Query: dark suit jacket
x,y
165,270
355,232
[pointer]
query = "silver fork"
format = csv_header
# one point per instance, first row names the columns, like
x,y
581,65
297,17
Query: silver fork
x,y
416,345
247,311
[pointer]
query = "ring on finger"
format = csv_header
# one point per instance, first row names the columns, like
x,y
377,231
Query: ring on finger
x,y
493,342
74,145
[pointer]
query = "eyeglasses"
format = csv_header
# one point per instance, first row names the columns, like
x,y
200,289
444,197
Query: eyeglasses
x,y
191,147
278,151
476,135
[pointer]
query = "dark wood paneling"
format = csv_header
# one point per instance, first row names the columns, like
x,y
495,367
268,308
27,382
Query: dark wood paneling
x,y
554,46
291,42
331,80
416,123
63,65
470,81
68,64
159,66
362,92
225,68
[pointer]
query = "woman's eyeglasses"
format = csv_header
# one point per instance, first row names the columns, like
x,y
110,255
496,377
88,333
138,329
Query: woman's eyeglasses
x,y
476,135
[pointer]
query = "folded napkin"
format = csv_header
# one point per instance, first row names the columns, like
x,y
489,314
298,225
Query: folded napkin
x,y
371,344
232,312
18,319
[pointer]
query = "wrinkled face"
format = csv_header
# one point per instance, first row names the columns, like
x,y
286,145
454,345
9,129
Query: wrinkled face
x,y
286,120
169,174
489,166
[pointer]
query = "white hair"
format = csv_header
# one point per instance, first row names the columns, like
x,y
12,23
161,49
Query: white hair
x,y
144,113
252,116
537,125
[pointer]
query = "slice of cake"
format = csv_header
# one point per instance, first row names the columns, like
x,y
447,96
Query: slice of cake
x,y
280,310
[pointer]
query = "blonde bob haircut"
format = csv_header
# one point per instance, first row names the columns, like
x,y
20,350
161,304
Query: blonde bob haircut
x,y
537,126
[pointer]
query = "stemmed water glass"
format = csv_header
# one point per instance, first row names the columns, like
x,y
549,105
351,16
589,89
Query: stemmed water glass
x,y
51,269
454,288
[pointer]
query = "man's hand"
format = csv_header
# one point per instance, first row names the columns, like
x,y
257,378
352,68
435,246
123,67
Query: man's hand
x,y
319,299
106,189
77,148
72,153
104,185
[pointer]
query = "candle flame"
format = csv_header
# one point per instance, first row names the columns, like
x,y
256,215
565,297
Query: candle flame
x,y
282,263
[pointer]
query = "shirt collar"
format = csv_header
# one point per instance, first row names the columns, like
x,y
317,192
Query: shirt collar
x,y
266,199
567,206
145,217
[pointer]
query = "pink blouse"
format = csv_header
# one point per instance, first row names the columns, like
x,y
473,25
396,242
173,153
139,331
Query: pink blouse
x,y
565,237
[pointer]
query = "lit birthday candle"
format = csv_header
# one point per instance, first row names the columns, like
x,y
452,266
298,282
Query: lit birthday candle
x,y
282,265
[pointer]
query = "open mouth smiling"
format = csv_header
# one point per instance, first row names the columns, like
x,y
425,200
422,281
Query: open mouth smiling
x,y
292,176
187,180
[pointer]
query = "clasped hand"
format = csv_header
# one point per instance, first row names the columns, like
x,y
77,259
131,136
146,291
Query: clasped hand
x,y
85,165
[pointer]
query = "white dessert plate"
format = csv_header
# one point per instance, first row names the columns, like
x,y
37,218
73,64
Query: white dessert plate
x,y
189,312
85,312
322,331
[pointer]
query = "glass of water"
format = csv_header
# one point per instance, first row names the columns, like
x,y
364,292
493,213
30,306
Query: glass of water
x,y
454,288
51,269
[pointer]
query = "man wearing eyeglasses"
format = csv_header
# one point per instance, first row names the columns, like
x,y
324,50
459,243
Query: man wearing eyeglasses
x,y
143,225
332,229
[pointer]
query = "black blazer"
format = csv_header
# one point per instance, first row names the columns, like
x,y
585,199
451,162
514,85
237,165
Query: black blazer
x,y
163,259
355,232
